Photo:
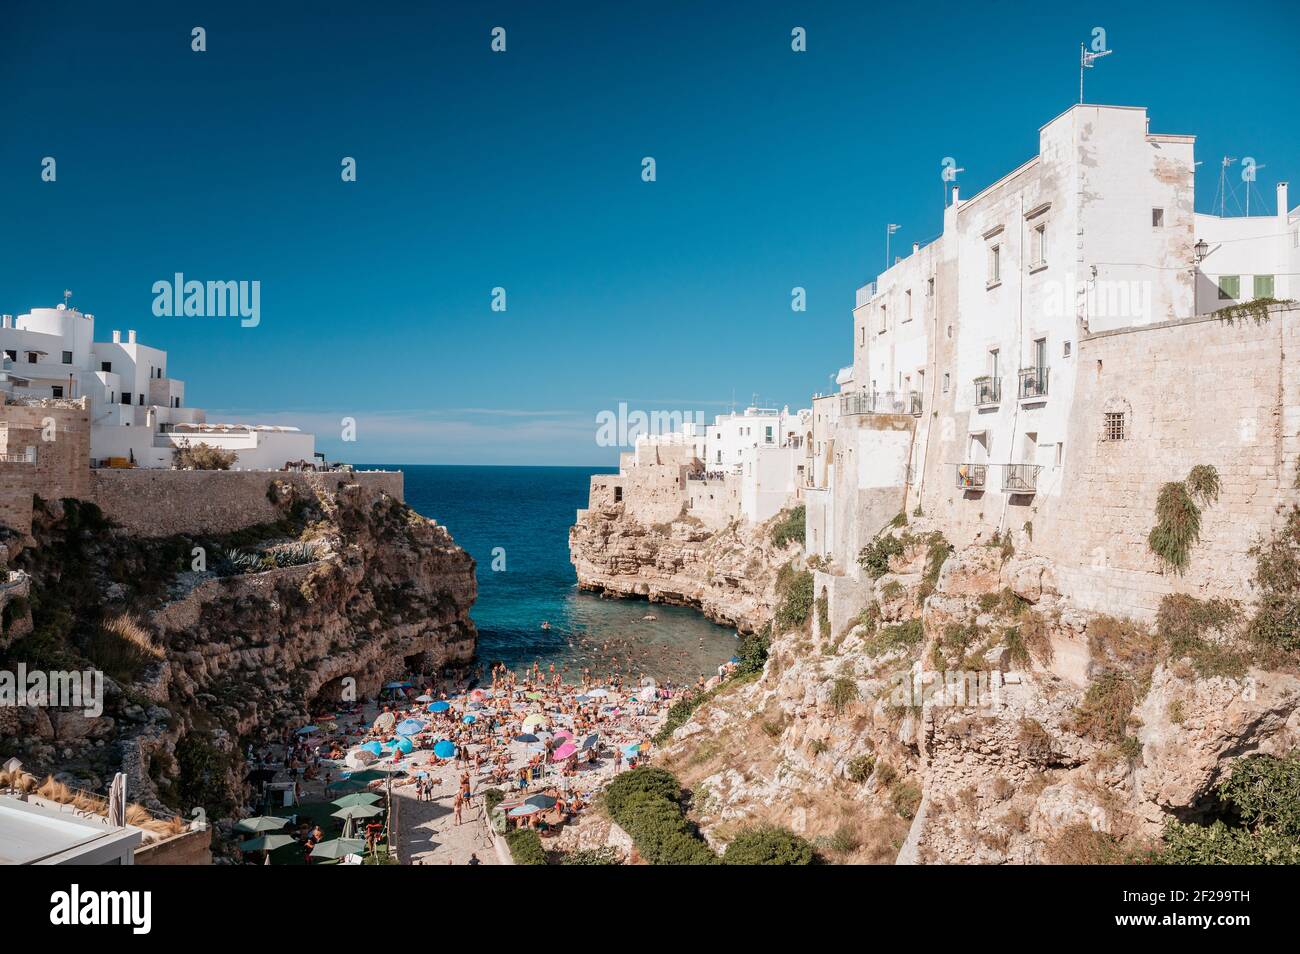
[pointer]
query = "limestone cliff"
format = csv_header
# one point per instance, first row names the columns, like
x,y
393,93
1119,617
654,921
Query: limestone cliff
x,y
972,716
729,574
206,639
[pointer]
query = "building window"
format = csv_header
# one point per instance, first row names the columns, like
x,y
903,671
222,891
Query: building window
x,y
1060,453
884,319
67,357
1229,287
106,367
31,357
618,495
126,397
908,299
995,265
946,379
929,288
56,391
11,354
1065,350
141,402
176,402
767,434
1157,218
1114,430
1038,247
1263,286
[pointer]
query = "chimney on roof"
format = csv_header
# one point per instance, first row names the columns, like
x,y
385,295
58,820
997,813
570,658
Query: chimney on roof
x,y
130,337
6,321
1282,209
916,247
117,337
955,196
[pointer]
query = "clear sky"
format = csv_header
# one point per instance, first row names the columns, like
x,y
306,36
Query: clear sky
x,y
522,170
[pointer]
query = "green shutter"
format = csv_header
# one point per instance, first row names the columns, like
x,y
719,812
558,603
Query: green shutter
x,y
1230,287
1263,286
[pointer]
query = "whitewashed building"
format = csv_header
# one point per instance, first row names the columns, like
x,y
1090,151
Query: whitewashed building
x,y
138,412
1242,258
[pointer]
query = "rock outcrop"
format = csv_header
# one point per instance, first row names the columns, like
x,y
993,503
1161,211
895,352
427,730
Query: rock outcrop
x,y
729,575
981,720
218,652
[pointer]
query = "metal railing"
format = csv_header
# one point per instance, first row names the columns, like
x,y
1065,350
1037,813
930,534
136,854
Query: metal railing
x,y
28,456
971,476
1019,478
873,402
914,403
988,391
1033,383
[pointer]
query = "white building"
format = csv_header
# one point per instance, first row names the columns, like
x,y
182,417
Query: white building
x,y
138,413
1248,257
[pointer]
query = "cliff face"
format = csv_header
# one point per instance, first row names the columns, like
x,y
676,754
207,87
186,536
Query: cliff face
x,y
342,593
1036,734
729,575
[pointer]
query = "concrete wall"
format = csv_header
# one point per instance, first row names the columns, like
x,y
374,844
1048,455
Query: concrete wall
x,y
159,503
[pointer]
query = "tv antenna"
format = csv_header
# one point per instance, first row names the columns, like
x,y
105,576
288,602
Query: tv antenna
x,y
1086,59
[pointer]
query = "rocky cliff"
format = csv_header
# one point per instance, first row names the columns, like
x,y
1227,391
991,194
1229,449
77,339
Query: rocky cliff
x,y
206,639
971,716
729,575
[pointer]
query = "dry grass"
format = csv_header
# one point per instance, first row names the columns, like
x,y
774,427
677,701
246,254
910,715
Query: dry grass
x,y
127,628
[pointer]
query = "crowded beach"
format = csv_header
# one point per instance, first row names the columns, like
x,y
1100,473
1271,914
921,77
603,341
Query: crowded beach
x,y
409,776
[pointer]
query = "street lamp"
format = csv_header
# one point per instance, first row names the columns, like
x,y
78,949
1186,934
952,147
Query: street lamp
x,y
1201,249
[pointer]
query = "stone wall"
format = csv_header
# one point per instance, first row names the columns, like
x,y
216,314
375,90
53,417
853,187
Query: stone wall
x,y
17,486
58,431
1206,391
159,503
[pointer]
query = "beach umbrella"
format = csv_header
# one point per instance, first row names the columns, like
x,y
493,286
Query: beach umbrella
x,y
358,811
563,752
564,734
537,718
266,842
526,737
339,847
444,749
522,810
469,719
384,722
582,698
308,729
359,758
374,748
590,742
424,697
410,727
397,685
541,801
734,659
439,706
647,694
401,744
343,785
597,693
632,749
366,775
534,695
360,798
260,823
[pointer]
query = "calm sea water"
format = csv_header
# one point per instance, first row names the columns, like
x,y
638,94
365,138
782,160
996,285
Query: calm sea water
x,y
527,512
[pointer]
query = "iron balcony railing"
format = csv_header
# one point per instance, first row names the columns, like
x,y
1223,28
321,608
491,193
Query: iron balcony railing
x,y
1033,383
971,476
1019,478
873,402
988,391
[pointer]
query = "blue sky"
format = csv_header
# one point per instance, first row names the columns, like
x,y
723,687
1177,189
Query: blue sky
x,y
522,170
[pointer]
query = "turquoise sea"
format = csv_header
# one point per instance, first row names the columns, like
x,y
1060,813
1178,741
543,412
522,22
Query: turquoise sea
x,y
527,512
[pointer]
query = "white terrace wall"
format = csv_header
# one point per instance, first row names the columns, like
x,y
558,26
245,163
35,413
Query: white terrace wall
x,y
159,503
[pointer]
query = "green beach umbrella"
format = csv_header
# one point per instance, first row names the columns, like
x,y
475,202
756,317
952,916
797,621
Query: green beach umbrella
x,y
368,775
358,811
260,823
360,798
266,842
339,847
344,785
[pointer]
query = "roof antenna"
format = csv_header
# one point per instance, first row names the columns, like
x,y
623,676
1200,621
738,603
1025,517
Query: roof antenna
x,y
67,296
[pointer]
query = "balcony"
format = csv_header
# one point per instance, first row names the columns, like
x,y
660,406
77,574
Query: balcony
x,y
988,392
971,476
1033,384
914,403
1020,478
874,402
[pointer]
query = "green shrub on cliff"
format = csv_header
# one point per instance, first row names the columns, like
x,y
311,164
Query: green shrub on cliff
x,y
794,592
790,528
525,846
1178,516
875,556
646,803
769,846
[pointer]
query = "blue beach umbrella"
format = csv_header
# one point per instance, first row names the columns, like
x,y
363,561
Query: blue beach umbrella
x,y
373,748
470,719
524,809
397,685
444,749
402,744
527,737
308,729
439,706
409,727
